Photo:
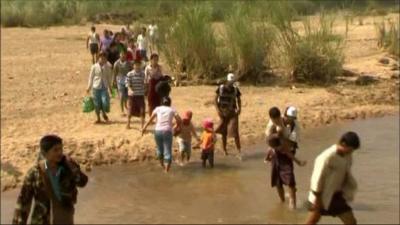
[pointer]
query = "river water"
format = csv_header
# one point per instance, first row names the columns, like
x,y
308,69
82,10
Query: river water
x,y
239,192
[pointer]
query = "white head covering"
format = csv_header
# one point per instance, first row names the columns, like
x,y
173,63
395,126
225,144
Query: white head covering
x,y
230,77
291,111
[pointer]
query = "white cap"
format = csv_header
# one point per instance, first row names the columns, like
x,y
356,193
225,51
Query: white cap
x,y
230,77
291,111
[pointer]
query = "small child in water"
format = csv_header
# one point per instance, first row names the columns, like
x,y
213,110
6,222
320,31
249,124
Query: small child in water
x,y
208,140
185,132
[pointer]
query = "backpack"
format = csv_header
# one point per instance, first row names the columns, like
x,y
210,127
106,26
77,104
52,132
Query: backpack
x,y
226,99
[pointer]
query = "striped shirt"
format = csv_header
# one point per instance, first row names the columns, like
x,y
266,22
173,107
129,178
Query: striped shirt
x,y
135,83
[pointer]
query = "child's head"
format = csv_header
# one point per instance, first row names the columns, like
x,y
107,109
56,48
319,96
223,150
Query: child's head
x,y
349,142
274,114
166,101
154,59
122,55
143,30
93,29
187,117
102,57
137,65
274,141
208,125
131,43
105,33
51,147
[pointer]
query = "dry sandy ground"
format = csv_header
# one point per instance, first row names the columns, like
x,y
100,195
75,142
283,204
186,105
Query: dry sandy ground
x,y
44,74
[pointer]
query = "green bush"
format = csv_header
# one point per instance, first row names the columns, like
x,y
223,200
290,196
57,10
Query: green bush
x,y
249,41
315,56
388,39
191,40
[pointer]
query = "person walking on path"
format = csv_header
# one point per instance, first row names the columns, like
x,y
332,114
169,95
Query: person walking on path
x,y
136,92
153,75
92,43
229,105
100,79
121,68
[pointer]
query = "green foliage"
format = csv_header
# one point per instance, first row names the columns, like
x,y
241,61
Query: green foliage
x,y
315,56
191,40
388,39
249,42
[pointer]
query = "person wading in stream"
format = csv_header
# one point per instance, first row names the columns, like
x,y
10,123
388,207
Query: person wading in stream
x,y
163,131
332,183
52,183
229,106
282,156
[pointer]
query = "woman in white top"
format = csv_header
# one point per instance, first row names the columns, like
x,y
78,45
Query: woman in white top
x,y
163,131
93,41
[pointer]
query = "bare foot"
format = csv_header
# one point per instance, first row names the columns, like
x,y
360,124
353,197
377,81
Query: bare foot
x,y
128,127
106,118
123,114
226,153
97,122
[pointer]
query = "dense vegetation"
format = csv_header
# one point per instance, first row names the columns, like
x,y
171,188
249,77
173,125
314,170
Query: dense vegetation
x,y
254,36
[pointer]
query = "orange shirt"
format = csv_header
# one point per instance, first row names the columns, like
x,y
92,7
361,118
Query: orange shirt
x,y
208,140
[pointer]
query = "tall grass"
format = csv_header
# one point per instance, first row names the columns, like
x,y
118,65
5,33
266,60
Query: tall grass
x,y
249,42
388,38
191,40
313,56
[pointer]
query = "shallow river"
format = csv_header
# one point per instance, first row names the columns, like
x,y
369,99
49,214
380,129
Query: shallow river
x,y
239,192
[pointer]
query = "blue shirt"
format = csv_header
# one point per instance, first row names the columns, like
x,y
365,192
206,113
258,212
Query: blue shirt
x,y
55,180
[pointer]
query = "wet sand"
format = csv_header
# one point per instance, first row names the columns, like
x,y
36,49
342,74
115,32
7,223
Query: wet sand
x,y
239,192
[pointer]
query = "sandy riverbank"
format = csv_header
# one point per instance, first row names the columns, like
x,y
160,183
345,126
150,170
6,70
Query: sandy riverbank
x,y
44,75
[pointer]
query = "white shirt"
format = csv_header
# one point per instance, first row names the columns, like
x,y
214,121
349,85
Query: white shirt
x,y
332,174
142,42
100,76
153,30
93,38
295,134
165,115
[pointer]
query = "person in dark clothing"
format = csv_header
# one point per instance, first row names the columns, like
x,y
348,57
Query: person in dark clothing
x,y
229,106
163,88
52,183
112,53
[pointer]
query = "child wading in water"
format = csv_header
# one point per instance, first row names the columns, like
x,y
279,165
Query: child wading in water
x,y
208,140
136,92
185,132
281,154
332,183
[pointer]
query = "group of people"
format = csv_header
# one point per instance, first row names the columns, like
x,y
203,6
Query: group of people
x,y
53,181
137,45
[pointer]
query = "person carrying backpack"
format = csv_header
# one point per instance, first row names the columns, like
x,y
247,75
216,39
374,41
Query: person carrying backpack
x,y
229,106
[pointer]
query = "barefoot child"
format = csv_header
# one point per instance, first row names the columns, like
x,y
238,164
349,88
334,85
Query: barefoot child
x,y
92,43
208,140
136,91
282,169
186,130
332,183
121,68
